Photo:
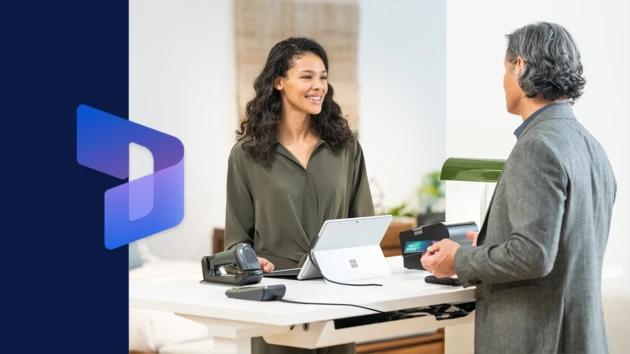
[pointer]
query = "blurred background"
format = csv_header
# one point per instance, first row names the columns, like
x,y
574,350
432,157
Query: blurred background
x,y
419,80
192,67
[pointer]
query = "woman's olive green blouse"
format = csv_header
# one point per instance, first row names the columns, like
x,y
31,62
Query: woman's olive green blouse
x,y
279,209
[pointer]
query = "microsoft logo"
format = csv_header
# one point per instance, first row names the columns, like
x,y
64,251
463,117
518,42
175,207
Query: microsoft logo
x,y
144,206
353,263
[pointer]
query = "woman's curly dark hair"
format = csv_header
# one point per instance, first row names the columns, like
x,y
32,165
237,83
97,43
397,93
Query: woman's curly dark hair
x,y
552,61
263,112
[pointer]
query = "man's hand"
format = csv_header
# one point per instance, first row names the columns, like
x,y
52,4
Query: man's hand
x,y
472,236
265,265
440,258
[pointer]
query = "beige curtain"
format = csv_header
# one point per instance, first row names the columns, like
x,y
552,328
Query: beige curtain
x,y
333,23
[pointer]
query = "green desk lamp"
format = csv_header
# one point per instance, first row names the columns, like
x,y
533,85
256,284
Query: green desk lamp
x,y
473,170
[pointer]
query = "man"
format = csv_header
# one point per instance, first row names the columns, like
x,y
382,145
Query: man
x,y
537,260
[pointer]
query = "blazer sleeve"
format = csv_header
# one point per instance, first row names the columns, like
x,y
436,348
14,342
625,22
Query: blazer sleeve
x,y
361,203
536,192
239,218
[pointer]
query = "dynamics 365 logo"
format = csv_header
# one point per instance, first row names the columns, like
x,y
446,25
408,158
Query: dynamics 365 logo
x,y
144,206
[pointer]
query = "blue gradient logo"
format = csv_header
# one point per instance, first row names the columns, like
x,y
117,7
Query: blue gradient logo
x,y
144,206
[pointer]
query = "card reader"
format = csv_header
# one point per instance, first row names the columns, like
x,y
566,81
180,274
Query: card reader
x,y
414,242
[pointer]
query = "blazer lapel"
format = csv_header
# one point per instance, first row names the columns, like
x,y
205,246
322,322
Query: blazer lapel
x,y
484,225
557,111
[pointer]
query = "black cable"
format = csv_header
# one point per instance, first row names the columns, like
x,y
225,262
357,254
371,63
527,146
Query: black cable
x,y
392,315
331,304
332,281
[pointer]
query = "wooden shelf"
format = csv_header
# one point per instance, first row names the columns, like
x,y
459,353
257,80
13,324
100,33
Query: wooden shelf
x,y
391,241
423,344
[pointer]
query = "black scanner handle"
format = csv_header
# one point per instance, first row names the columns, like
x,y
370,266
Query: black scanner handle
x,y
242,257
222,259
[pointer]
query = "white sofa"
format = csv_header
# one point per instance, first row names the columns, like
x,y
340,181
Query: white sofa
x,y
162,332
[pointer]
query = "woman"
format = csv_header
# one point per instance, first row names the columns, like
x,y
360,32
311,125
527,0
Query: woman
x,y
296,164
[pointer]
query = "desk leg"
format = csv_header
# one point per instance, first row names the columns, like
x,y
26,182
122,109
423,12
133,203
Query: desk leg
x,y
223,346
244,345
231,346
459,339
234,337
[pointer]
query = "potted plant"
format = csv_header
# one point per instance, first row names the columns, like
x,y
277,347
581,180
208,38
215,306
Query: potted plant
x,y
401,212
431,196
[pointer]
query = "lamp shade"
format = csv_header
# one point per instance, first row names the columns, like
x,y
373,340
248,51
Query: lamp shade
x,y
471,170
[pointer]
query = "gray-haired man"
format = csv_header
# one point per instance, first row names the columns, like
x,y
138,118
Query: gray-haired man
x,y
537,262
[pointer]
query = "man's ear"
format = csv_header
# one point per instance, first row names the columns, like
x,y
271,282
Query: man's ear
x,y
519,66
277,83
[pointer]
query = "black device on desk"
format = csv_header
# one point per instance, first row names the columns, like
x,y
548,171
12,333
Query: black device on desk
x,y
414,242
432,279
258,293
242,257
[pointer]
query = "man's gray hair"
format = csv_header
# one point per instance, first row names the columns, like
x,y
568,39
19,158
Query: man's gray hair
x,y
552,67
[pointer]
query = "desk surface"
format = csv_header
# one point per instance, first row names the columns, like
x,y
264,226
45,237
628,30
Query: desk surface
x,y
404,289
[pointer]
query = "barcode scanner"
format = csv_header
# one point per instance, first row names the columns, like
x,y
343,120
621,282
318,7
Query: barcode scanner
x,y
242,257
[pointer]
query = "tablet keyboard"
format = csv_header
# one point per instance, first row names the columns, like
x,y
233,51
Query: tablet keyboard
x,y
284,273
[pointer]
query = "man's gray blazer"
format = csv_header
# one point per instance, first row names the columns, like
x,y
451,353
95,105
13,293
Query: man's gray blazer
x,y
538,261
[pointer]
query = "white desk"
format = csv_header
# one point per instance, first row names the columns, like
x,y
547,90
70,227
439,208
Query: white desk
x,y
235,322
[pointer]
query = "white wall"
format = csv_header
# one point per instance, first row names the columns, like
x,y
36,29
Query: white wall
x,y
182,74
402,80
182,82
478,125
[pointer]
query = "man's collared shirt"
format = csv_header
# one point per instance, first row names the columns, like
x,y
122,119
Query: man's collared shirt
x,y
531,118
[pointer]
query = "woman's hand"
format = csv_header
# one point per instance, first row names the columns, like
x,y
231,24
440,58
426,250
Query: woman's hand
x,y
265,265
